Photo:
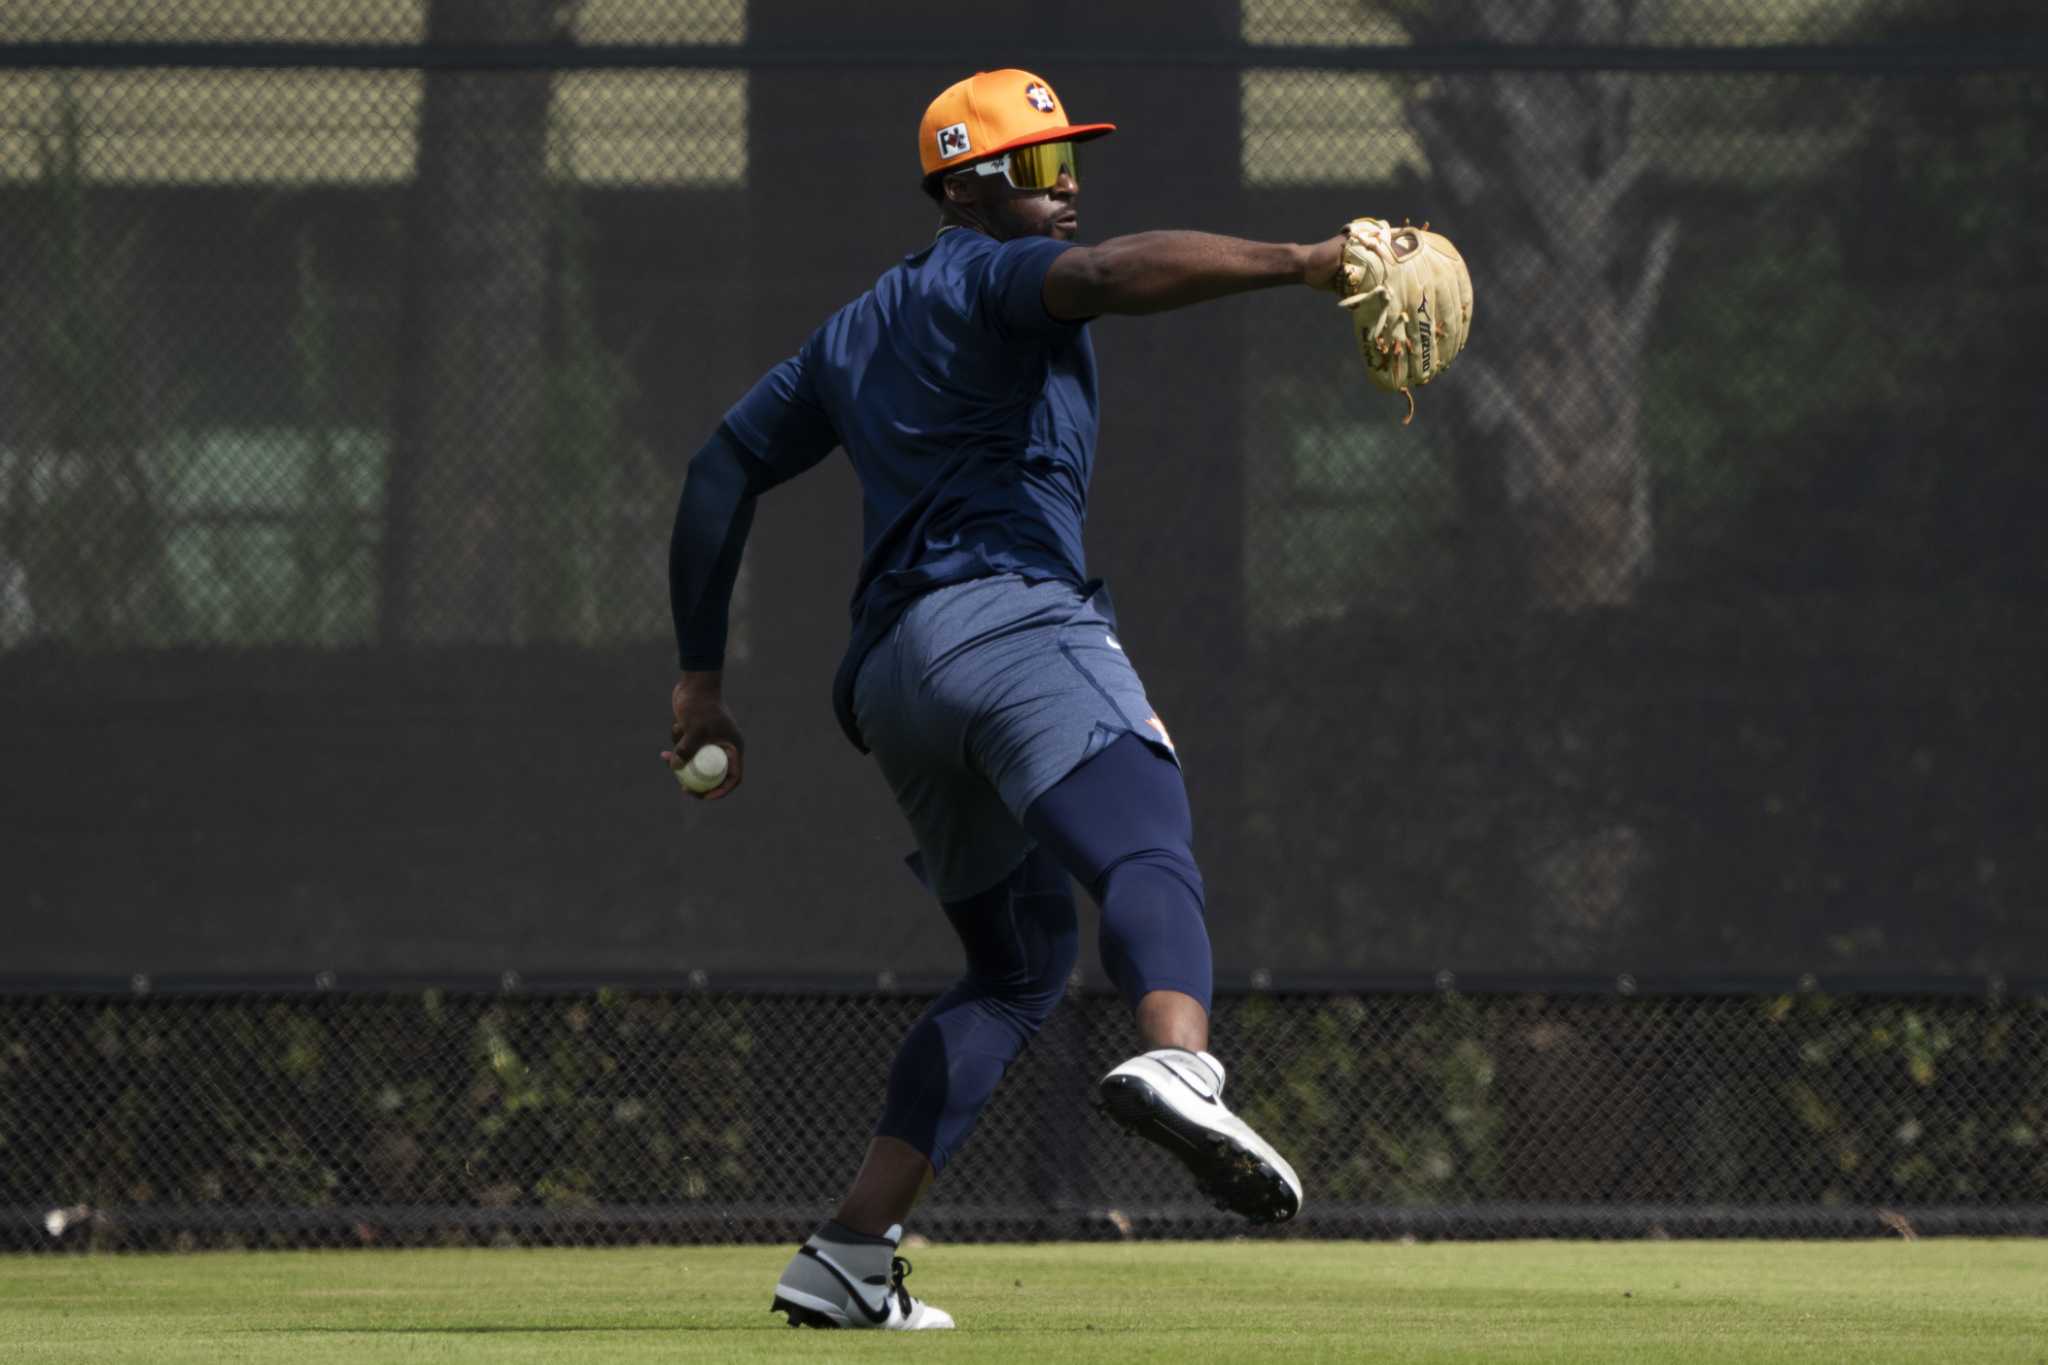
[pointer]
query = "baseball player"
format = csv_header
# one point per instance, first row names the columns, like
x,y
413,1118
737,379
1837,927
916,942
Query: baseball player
x,y
984,673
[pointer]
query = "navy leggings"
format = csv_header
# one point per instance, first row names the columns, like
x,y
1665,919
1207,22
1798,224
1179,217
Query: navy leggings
x,y
1118,824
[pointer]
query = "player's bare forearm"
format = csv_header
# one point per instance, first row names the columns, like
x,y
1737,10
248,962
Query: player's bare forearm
x,y
1152,272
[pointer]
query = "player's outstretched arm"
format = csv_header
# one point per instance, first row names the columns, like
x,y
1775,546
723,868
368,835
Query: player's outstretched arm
x,y
1152,272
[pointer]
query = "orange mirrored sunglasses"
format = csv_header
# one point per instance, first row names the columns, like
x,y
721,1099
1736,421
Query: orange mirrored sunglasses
x,y
1037,167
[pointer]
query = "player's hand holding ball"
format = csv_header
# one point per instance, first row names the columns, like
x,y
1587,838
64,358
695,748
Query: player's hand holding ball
x,y
705,772
706,745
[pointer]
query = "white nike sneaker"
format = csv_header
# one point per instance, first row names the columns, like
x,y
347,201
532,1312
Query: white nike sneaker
x,y
841,1279
1174,1098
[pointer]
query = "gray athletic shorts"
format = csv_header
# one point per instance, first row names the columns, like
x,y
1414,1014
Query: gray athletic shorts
x,y
983,696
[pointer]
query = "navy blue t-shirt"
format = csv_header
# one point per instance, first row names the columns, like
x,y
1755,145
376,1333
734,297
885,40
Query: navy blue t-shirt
x,y
969,413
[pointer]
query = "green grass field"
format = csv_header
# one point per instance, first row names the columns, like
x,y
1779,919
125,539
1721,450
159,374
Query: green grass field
x,y
1946,1300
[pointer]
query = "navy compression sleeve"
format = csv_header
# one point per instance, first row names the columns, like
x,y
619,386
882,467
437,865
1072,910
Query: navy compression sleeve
x,y
713,515
774,433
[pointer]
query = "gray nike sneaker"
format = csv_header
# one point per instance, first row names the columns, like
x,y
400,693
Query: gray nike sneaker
x,y
1174,1099
841,1279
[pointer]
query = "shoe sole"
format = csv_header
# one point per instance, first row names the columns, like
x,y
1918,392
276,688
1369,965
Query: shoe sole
x,y
1235,1179
800,1316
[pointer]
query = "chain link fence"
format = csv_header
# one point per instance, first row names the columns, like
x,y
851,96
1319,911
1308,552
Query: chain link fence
x,y
452,1117
1690,639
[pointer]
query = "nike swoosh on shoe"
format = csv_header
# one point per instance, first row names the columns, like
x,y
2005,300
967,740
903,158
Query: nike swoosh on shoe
x,y
853,1286
1201,1094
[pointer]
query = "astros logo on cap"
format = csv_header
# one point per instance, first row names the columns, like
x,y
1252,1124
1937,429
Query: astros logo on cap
x,y
992,112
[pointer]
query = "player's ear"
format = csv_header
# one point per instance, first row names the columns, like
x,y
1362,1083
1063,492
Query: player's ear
x,y
960,189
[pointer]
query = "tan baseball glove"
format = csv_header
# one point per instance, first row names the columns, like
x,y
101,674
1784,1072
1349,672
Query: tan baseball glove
x,y
1410,299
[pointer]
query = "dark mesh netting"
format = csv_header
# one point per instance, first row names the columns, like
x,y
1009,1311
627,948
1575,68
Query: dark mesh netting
x,y
460,1117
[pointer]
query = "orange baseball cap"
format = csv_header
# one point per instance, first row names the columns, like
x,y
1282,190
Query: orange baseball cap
x,y
991,112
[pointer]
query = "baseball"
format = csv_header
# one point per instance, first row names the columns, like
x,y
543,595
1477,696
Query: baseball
x,y
704,771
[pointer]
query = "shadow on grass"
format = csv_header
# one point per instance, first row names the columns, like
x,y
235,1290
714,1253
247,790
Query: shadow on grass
x,y
493,1329
479,1330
